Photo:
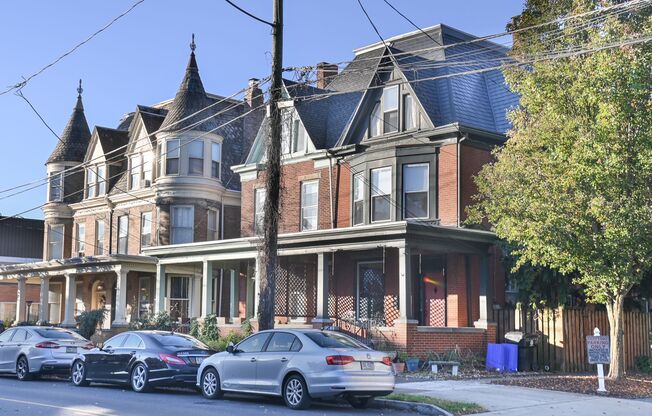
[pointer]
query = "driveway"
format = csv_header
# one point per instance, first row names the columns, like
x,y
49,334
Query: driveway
x,y
509,400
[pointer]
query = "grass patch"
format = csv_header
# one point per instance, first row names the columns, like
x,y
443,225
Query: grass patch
x,y
457,408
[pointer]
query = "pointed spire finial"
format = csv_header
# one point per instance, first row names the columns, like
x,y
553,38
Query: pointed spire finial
x,y
192,44
80,89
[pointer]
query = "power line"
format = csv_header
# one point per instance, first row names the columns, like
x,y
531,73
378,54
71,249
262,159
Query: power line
x,y
411,22
249,14
20,94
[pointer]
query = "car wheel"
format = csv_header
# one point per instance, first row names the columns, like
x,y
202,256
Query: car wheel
x,y
78,374
22,369
139,381
210,384
359,402
295,393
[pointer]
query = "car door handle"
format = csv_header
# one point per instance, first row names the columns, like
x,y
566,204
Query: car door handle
x,y
253,359
284,360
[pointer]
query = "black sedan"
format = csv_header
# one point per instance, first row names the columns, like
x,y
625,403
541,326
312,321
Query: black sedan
x,y
143,359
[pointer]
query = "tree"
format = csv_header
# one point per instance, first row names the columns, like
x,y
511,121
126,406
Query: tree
x,y
572,187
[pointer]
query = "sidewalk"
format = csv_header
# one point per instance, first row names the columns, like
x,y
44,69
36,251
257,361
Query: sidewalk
x,y
508,400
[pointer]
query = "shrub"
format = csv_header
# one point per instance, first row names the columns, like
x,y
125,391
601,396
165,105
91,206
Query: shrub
x,y
643,364
88,321
160,321
210,331
220,344
194,328
247,328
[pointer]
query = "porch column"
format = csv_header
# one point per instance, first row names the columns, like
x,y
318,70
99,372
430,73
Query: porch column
x,y
159,304
259,270
21,297
71,298
484,297
404,284
195,296
120,297
234,311
44,309
207,289
322,289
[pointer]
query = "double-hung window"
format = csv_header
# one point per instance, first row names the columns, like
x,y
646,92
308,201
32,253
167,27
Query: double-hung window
x,y
259,209
55,242
123,234
212,223
298,137
390,109
135,172
375,121
216,158
409,121
415,190
145,229
101,180
179,295
172,153
381,191
309,197
196,158
90,182
147,169
99,237
56,187
81,239
358,199
182,224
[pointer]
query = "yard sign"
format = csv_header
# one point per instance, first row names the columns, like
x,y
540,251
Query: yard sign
x,y
597,349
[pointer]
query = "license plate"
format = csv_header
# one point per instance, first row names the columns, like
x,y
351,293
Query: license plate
x,y
71,350
367,365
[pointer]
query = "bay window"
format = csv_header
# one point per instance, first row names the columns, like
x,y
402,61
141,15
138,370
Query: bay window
x,y
145,229
415,190
123,234
196,158
182,224
381,191
309,197
56,187
55,242
260,194
172,157
358,199
216,158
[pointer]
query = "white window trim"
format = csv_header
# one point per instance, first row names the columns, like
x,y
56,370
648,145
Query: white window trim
x,y
172,227
96,180
216,214
403,207
61,182
165,158
59,230
256,191
353,200
219,170
79,239
96,248
203,158
301,207
126,236
142,214
415,118
388,196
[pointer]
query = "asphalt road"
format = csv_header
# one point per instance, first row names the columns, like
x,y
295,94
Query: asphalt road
x,y
56,397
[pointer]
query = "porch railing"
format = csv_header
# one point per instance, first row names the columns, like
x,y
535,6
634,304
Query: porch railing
x,y
362,330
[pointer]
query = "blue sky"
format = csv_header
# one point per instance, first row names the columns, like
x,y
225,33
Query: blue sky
x,y
141,58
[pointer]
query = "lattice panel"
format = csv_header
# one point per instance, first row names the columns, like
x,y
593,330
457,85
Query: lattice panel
x,y
371,302
296,290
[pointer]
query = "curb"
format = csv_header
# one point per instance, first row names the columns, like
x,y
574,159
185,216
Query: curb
x,y
421,408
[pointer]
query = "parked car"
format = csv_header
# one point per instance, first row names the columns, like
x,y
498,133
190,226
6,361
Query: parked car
x,y
142,359
29,351
299,365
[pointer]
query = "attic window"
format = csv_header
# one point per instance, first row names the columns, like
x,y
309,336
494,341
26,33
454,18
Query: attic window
x,y
293,135
390,109
408,113
56,187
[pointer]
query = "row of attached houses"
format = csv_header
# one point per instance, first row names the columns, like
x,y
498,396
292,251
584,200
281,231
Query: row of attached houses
x,y
377,170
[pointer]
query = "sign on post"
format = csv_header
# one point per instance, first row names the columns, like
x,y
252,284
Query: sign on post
x,y
597,349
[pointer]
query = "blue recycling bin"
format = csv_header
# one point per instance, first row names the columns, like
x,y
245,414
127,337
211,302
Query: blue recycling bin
x,y
502,357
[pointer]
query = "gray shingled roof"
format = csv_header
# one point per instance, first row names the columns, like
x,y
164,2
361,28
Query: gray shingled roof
x,y
113,141
74,139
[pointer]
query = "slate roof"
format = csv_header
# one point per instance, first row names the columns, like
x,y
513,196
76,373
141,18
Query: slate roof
x,y
74,139
113,141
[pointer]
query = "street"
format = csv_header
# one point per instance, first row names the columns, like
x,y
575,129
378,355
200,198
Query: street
x,y
58,397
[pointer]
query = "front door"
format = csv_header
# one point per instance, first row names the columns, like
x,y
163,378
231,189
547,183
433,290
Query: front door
x,y
371,293
239,368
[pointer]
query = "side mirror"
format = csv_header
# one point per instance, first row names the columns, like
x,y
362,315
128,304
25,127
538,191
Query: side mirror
x,y
230,348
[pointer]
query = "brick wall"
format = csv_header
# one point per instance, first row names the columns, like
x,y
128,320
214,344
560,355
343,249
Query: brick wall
x,y
8,292
448,184
473,159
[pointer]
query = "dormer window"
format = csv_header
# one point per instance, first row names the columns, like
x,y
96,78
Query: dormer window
x,y
95,181
409,121
90,183
140,171
395,111
55,193
293,135
134,171
390,109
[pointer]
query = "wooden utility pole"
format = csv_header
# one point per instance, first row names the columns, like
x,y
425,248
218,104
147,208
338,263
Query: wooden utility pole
x,y
273,180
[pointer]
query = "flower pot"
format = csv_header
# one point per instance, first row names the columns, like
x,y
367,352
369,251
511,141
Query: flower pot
x,y
412,364
398,367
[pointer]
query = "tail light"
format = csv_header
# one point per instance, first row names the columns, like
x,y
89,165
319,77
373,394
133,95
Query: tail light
x,y
47,344
171,359
387,361
89,346
339,359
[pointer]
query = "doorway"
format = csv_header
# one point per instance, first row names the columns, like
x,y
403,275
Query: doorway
x,y
370,293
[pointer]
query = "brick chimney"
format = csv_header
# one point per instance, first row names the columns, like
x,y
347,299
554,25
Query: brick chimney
x,y
254,95
325,72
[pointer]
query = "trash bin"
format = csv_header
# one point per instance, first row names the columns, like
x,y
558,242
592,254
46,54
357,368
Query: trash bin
x,y
502,357
526,346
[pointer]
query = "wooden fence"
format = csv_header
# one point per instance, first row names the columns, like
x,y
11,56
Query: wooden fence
x,y
562,334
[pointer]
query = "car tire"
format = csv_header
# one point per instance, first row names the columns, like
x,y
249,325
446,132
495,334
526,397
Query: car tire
x,y
295,393
359,402
210,384
139,378
22,369
78,374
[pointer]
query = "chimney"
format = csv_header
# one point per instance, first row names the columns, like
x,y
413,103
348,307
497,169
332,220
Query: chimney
x,y
325,72
254,95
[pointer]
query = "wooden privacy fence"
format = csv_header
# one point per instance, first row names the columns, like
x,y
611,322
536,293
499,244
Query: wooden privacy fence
x,y
562,334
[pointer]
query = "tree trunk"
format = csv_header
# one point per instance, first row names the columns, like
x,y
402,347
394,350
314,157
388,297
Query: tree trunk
x,y
617,339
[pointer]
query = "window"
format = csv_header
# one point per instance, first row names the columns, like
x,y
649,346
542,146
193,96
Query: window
x,y
333,340
145,229
196,158
81,239
415,190
358,199
172,157
374,121
381,190
259,209
293,135
55,242
178,340
135,172
116,341
147,169
6,336
58,333
20,335
298,137
56,187
280,342
216,157
182,224
408,113
101,180
390,109
99,237
212,224
309,192
254,343
90,183
133,341
179,298
95,181
123,234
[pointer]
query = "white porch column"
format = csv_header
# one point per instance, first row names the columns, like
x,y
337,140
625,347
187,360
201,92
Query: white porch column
x,y
21,297
259,270
159,303
207,289
120,297
234,311
485,296
404,284
44,309
322,289
71,298
195,296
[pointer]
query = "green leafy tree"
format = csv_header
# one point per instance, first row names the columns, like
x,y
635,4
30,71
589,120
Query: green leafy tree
x,y
572,187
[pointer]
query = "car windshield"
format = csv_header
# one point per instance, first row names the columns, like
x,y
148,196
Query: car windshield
x,y
178,340
331,340
56,333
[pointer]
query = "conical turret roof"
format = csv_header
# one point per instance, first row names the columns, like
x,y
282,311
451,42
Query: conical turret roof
x,y
76,135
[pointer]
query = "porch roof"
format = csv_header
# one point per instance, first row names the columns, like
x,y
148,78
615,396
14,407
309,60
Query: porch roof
x,y
428,237
77,265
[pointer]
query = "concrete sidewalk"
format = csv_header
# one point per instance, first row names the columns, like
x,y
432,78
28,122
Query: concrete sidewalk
x,y
509,400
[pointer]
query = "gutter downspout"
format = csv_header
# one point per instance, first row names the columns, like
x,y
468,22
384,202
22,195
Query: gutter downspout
x,y
459,178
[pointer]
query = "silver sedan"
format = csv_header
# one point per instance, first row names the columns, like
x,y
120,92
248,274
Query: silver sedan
x,y
299,365
32,350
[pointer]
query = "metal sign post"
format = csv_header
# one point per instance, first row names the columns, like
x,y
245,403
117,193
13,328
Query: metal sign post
x,y
598,352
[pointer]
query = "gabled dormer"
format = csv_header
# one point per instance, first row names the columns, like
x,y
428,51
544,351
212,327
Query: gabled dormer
x,y
141,153
104,161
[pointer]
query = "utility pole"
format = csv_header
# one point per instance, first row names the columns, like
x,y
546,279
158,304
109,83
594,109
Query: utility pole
x,y
272,180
